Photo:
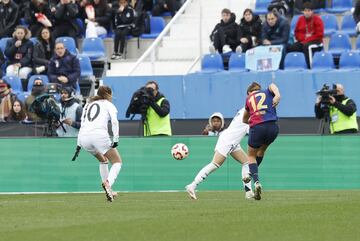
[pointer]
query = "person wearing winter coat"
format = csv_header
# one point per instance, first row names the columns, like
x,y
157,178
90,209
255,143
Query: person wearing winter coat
x,y
215,126
65,19
250,30
43,51
9,17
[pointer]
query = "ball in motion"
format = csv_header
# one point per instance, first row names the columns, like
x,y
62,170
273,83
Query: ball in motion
x,y
179,151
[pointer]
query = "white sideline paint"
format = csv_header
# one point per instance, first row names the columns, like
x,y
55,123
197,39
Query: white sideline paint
x,y
178,49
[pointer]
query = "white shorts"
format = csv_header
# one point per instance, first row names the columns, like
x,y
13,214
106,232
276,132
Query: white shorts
x,y
95,143
229,141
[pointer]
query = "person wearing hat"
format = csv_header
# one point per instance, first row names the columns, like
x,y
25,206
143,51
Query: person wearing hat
x,y
37,89
6,99
70,116
309,30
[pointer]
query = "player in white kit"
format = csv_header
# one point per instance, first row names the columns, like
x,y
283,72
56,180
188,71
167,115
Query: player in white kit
x,y
228,143
94,136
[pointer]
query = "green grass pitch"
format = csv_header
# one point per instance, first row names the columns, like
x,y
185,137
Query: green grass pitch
x,y
220,216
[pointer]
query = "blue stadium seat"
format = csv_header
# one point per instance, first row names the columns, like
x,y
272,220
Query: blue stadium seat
x,y
261,6
69,43
93,48
212,63
22,96
348,25
339,43
339,6
323,61
3,42
293,23
295,61
330,24
157,25
85,66
34,40
44,79
15,83
237,62
349,60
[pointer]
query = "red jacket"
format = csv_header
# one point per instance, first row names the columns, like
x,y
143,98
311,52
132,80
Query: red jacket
x,y
308,30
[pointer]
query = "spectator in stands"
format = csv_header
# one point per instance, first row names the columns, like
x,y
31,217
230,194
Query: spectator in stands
x,y
37,89
157,121
71,112
282,7
123,17
275,30
19,54
316,4
162,6
98,18
2,61
215,126
22,5
64,68
225,35
38,15
9,17
309,30
341,111
18,112
65,19
141,18
250,30
356,15
6,99
43,51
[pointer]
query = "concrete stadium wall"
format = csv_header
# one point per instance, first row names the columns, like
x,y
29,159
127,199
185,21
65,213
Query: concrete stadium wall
x,y
197,96
292,162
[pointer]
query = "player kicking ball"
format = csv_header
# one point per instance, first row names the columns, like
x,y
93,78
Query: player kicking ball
x,y
228,143
94,138
260,113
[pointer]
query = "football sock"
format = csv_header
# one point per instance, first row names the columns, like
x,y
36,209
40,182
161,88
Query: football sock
x,y
104,170
245,171
259,160
204,172
254,171
114,172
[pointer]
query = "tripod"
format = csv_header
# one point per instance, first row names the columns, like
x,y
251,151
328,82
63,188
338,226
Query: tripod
x,y
324,125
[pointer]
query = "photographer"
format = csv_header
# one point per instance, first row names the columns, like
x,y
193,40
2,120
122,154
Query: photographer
x,y
340,109
70,116
157,112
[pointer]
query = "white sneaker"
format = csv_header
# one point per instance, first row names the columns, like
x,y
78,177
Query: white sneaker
x,y
226,49
257,192
238,49
249,195
108,192
212,49
246,178
191,191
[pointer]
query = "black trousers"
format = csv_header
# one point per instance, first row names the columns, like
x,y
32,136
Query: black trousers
x,y
119,39
172,6
220,39
64,30
299,47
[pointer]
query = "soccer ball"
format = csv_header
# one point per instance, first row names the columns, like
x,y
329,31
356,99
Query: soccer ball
x,y
179,151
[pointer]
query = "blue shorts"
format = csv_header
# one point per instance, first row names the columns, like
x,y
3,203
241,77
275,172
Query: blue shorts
x,y
263,134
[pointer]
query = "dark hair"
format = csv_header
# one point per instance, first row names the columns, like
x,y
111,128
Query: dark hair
x,y
226,10
21,115
39,37
307,5
104,93
253,86
153,82
248,10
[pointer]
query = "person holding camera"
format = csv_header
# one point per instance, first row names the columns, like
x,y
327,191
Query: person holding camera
x,y
71,112
341,110
157,112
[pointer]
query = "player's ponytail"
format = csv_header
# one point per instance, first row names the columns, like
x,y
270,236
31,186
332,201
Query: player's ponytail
x,y
104,93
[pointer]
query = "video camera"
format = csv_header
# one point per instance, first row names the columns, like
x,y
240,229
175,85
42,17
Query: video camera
x,y
325,94
45,106
140,102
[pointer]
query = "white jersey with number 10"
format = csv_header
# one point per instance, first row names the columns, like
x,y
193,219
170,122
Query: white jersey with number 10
x,y
96,117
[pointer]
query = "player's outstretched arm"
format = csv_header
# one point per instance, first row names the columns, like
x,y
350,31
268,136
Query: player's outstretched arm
x,y
275,90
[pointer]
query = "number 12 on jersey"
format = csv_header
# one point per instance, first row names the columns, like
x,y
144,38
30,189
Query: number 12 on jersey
x,y
260,104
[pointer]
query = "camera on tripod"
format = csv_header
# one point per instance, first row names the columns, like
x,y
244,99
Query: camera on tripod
x,y
140,102
325,94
